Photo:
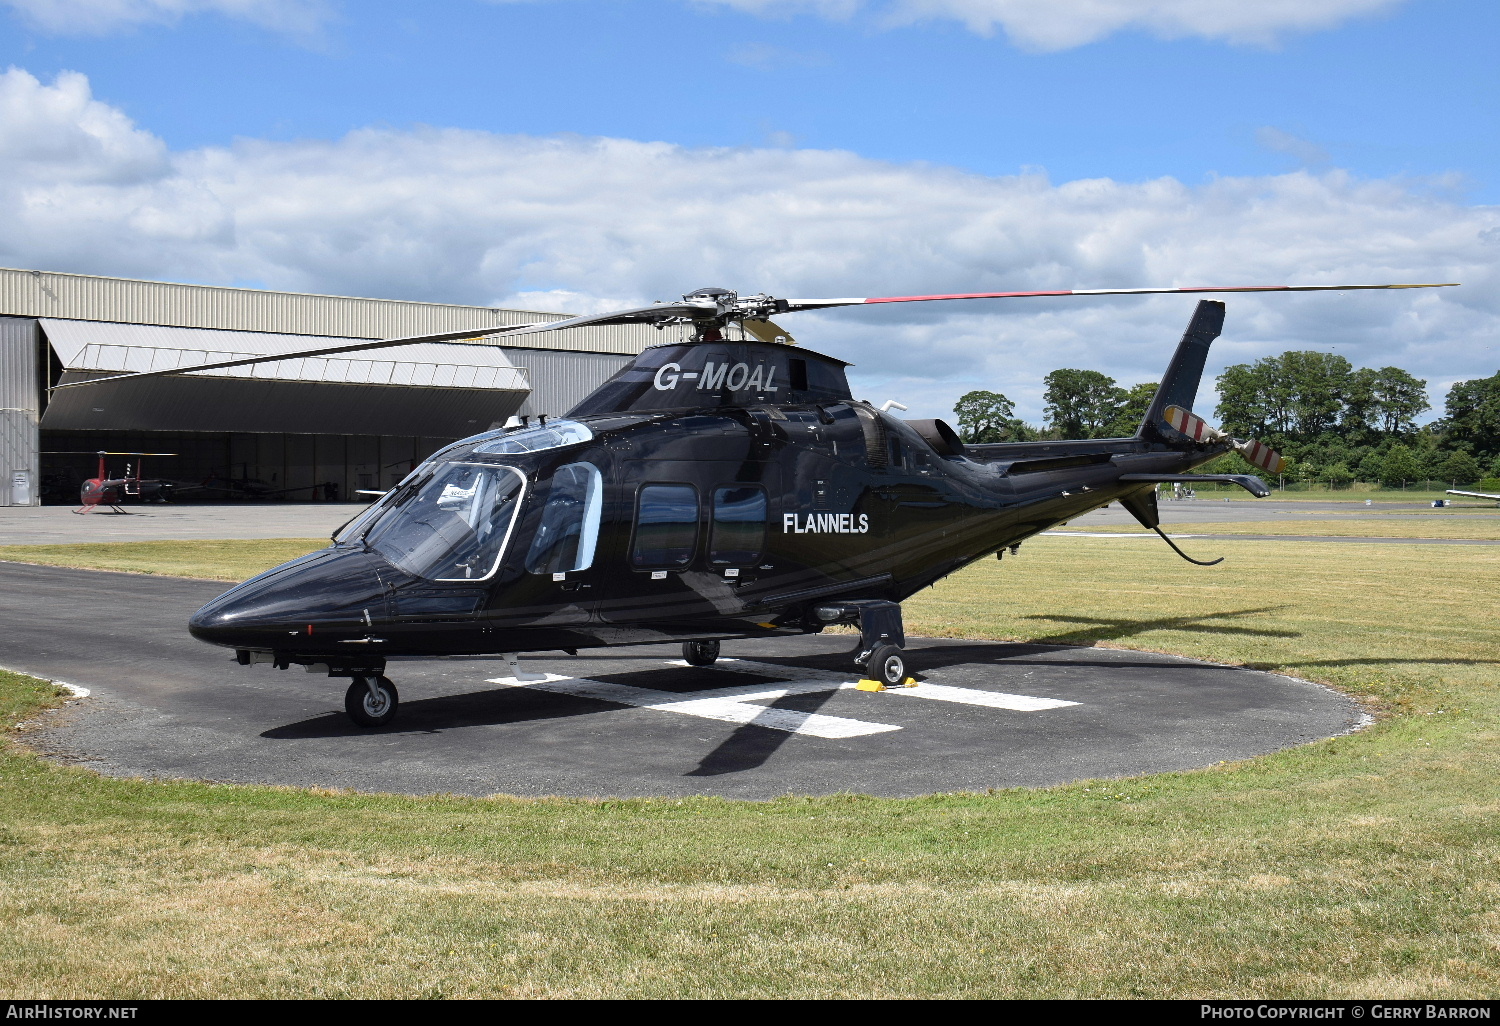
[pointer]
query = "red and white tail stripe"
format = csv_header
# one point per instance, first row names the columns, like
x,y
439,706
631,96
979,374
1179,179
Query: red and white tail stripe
x,y
1263,456
1191,425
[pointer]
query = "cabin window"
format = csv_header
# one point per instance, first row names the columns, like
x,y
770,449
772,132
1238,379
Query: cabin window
x,y
452,524
739,527
569,530
666,525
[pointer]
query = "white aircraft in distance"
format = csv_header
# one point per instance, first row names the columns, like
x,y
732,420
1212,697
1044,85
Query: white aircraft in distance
x,y
1475,495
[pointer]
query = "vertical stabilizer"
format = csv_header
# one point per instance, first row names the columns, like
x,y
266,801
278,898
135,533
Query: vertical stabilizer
x,y
1179,386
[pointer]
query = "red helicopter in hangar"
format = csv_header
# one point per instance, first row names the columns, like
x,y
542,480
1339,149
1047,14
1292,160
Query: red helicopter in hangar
x,y
103,490
720,486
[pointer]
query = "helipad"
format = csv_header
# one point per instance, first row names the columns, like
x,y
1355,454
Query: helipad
x,y
768,720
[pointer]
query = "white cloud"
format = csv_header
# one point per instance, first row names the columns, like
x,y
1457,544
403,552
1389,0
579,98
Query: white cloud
x,y
588,223
1061,24
97,17
1304,151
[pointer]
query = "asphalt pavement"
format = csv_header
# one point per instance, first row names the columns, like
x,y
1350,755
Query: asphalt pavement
x,y
773,718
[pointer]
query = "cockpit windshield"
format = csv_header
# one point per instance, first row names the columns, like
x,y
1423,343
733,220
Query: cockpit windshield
x,y
451,525
553,435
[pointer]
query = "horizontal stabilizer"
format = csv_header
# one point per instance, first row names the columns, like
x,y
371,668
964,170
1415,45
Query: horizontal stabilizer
x,y
1254,485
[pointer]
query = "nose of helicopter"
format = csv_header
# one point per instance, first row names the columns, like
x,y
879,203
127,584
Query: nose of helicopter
x,y
329,586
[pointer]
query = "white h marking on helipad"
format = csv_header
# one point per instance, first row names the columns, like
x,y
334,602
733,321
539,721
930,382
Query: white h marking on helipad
x,y
937,692
732,705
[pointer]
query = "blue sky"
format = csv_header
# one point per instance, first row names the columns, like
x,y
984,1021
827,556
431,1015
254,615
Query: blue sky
x,y
571,154
1414,91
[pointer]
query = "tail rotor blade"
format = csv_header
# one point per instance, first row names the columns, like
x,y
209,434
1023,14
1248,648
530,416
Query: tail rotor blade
x,y
1195,427
1262,456
1192,425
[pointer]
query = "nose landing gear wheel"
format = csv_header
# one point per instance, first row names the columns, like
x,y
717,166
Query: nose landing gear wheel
x,y
700,653
887,665
371,701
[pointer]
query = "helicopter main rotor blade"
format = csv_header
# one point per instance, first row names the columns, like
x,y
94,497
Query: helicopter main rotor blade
x,y
355,347
653,314
824,304
706,309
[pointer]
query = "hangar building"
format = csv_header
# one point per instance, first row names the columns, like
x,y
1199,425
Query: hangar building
x,y
297,430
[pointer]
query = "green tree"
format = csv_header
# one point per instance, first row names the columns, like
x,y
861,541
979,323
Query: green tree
x,y
1318,383
1400,466
1372,466
1337,474
1460,468
1309,394
1398,398
984,416
1230,463
1242,409
1130,415
1081,402
1359,402
1017,430
1473,409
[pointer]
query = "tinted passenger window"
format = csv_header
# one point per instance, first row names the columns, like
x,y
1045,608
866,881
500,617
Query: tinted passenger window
x,y
739,534
666,525
569,530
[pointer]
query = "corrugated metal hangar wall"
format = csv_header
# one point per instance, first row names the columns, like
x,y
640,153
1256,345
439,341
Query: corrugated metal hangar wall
x,y
298,430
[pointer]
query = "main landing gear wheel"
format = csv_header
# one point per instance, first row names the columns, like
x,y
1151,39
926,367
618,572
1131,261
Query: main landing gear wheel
x,y
887,665
371,701
700,653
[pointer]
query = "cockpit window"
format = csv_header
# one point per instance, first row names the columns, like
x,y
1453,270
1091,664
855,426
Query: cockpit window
x,y
553,435
454,524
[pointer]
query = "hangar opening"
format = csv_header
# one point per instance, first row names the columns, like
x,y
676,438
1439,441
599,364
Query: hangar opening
x,y
299,430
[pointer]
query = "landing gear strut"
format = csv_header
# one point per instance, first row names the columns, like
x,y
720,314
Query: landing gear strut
x,y
700,653
371,701
881,636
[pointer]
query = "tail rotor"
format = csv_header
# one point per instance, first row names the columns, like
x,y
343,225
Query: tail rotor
x,y
1258,454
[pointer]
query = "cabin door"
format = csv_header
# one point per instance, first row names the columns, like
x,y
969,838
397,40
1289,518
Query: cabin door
x,y
692,534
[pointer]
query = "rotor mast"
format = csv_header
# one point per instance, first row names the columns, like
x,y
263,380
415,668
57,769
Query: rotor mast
x,y
711,310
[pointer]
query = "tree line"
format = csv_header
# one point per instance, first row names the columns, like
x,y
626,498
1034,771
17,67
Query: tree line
x,y
1333,422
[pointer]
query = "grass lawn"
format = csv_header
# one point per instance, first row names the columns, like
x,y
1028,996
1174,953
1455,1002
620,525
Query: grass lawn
x,y
1472,527
1363,866
1358,495
214,560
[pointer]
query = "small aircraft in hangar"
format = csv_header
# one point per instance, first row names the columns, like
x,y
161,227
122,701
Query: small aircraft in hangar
x,y
132,486
725,486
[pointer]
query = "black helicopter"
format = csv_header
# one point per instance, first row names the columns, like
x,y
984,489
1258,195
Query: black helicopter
x,y
724,486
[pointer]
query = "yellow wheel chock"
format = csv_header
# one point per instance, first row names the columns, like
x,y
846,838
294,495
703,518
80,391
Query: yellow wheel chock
x,y
865,684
